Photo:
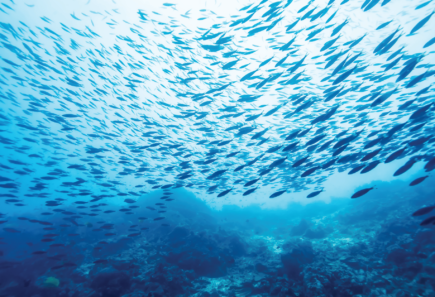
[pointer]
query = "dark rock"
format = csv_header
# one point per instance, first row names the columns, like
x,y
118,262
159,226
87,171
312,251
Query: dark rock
x,y
261,287
300,229
429,270
201,263
334,278
318,233
380,283
77,277
409,270
261,268
111,283
237,248
398,256
424,237
354,263
178,234
358,249
275,290
294,260
390,231
155,290
125,265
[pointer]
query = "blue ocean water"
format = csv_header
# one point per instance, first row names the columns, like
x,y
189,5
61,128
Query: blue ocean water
x,y
217,148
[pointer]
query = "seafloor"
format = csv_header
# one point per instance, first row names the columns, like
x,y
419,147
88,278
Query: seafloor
x,y
370,246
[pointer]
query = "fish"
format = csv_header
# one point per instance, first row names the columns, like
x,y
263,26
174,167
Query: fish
x,y
361,192
314,194
383,25
423,211
429,43
404,168
224,193
250,191
277,194
421,23
395,155
428,221
418,180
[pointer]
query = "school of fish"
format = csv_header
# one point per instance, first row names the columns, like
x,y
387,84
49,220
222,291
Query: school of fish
x,y
166,106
